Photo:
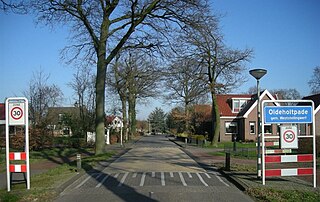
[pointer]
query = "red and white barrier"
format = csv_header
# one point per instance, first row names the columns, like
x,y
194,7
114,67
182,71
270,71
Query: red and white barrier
x,y
288,172
270,144
17,156
289,158
277,151
18,168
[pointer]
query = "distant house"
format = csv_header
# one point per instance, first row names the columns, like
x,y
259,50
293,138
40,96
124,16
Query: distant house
x,y
58,118
2,125
306,128
238,116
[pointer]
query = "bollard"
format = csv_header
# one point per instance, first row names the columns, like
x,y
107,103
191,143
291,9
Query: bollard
x,y
227,164
78,161
150,194
185,142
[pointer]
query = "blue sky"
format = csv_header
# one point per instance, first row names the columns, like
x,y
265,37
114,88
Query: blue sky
x,y
284,34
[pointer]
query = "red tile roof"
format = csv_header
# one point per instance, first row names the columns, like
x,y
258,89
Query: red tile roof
x,y
2,111
225,103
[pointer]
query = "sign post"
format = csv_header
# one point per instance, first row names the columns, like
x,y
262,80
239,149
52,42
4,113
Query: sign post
x,y
287,117
17,115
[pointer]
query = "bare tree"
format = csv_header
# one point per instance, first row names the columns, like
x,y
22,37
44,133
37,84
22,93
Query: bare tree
x,y
41,96
314,82
185,84
13,6
136,77
224,66
82,86
101,28
286,94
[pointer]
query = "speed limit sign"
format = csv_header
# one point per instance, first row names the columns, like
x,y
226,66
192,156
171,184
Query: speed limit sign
x,y
289,139
17,112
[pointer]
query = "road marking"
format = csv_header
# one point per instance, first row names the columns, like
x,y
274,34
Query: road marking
x,y
84,181
201,179
171,174
153,174
163,183
219,178
103,180
134,175
143,177
182,179
123,179
189,174
208,176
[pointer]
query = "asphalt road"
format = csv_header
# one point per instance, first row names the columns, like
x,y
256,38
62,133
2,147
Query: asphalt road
x,y
155,169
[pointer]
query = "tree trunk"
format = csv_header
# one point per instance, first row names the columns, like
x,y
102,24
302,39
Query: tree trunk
x,y
124,117
186,113
100,100
215,120
132,115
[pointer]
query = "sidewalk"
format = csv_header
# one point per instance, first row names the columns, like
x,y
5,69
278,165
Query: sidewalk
x,y
245,180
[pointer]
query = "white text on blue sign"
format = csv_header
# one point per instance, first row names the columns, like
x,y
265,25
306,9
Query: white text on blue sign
x,y
288,114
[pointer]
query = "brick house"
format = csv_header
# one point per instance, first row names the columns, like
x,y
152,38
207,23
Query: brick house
x,y
306,128
238,116
2,125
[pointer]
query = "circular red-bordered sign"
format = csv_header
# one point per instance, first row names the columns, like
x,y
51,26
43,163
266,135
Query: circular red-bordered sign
x,y
289,136
16,113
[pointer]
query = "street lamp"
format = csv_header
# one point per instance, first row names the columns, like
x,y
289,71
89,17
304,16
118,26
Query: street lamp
x,y
258,74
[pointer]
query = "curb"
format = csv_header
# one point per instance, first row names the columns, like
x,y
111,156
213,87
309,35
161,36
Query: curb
x,y
240,185
176,142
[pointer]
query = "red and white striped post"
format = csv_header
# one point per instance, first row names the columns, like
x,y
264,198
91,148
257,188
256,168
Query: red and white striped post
x,y
17,115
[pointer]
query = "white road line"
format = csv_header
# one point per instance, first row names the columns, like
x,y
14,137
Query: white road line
x,y
201,179
182,179
163,182
153,174
123,179
189,174
171,174
103,180
143,177
84,181
208,176
134,175
116,175
219,178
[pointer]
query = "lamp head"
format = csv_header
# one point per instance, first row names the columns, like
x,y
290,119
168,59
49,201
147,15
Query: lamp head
x,y
258,73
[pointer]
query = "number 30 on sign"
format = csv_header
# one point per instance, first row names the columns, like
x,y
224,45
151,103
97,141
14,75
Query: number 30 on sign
x,y
16,113
289,137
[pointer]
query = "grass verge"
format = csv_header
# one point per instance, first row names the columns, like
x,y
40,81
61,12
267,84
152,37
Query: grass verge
x,y
44,186
275,195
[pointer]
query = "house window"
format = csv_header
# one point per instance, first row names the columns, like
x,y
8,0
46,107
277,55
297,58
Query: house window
x,y
268,129
252,127
61,116
238,105
231,127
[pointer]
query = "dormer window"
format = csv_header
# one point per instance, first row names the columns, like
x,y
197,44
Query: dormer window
x,y
238,104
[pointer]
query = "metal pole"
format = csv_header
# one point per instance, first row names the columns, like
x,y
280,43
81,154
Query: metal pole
x,y
259,133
